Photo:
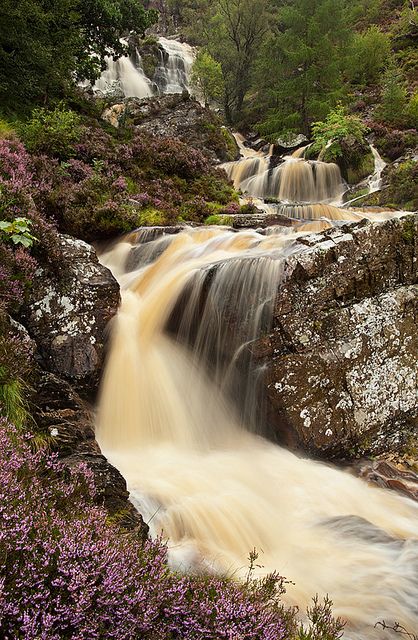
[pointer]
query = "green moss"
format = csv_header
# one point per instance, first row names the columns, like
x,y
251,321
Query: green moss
x,y
150,217
408,232
219,220
356,174
231,144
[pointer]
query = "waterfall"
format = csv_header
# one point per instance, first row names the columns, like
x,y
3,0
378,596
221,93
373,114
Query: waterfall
x,y
294,180
127,75
175,421
173,72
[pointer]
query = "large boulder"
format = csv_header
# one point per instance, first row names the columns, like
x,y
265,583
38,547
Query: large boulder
x,y
66,422
178,116
341,361
67,315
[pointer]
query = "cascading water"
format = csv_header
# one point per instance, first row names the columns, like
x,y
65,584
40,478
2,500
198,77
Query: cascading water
x,y
167,419
173,72
295,180
127,74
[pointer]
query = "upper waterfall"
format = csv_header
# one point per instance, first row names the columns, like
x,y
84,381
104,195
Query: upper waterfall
x,y
127,74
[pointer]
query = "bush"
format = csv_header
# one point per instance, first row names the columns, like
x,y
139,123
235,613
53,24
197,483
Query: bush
x,y
338,128
67,572
402,190
52,132
393,102
371,51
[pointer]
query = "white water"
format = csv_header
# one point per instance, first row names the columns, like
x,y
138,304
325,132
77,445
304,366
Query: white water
x,y
127,73
294,180
212,487
130,78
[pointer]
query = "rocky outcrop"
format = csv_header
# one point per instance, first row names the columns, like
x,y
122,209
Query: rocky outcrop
x,y
341,375
391,474
66,423
178,116
67,315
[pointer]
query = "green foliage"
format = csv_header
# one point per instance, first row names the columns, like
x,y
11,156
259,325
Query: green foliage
x,y
412,110
13,403
6,129
207,77
393,102
370,53
233,33
402,189
300,72
219,220
329,135
46,46
53,132
17,232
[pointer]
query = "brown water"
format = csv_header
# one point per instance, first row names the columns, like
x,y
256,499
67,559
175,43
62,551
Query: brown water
x,y
175,422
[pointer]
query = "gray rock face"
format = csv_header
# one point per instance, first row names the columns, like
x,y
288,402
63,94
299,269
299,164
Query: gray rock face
x,y
341,375
63,417
178,116
67,317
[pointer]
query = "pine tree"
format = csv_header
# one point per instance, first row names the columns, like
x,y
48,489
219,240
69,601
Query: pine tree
x,y
301,68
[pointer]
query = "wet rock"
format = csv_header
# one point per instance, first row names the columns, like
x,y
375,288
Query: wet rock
x,y
67,316
178,116
341,375
388,474
66,422
286,147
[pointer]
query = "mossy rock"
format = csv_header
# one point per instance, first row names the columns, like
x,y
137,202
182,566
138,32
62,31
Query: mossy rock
x,y
356,174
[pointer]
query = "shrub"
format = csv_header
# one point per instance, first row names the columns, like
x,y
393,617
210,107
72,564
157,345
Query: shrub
x,y
402,188
338,128
219,220
371,51
53,132
66,572
393,101
6,130
412,111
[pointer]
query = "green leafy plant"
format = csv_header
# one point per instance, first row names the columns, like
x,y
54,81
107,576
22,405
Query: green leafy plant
x,y
219,220
18,232
53,132
338,127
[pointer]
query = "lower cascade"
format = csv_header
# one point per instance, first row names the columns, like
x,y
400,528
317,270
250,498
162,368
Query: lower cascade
x,y
179,417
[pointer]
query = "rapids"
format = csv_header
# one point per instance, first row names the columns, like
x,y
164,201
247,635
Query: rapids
x,y
178,417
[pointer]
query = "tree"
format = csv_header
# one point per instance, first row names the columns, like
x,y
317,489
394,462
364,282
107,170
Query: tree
x,y
301,64
393,103
45,46
370,53
207,77
234,35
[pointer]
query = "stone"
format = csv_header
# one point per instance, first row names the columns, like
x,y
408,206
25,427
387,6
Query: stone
x,y
341,373
388,474
67,315
66,422
179,116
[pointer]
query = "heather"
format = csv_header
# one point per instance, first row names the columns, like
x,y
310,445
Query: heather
x,y
93,181
66,571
